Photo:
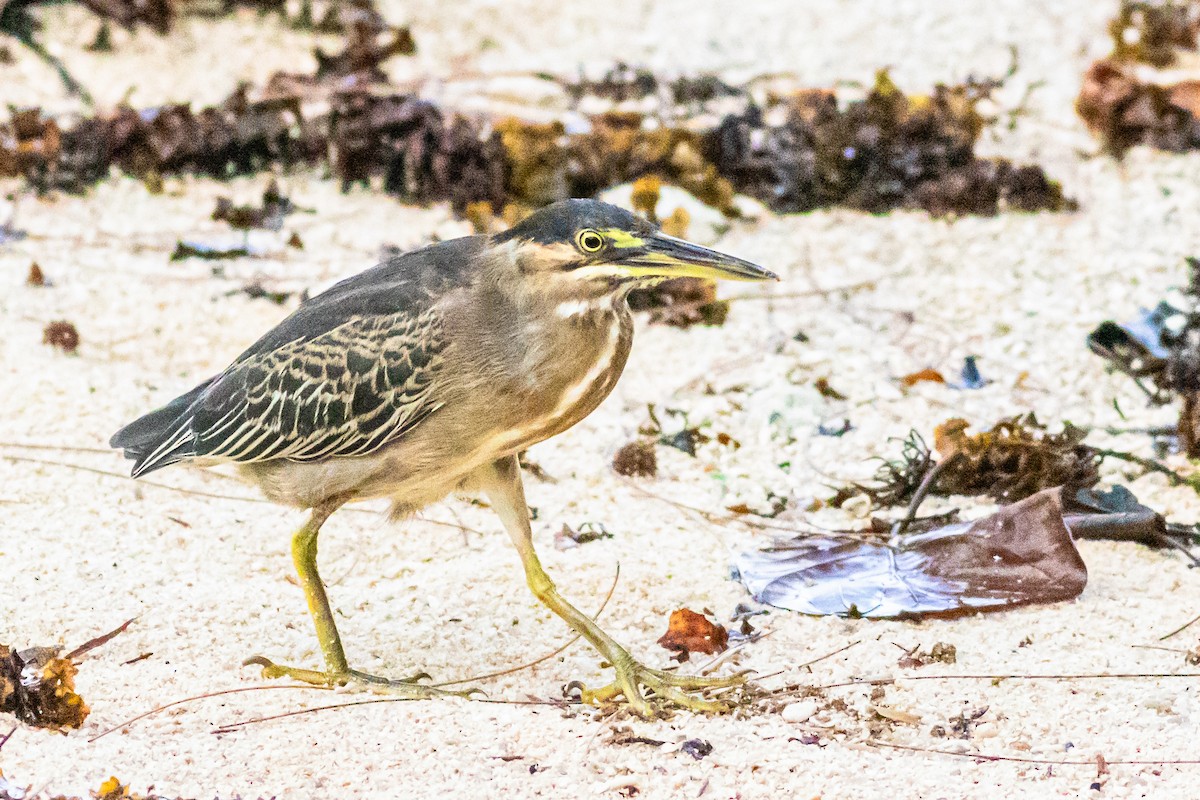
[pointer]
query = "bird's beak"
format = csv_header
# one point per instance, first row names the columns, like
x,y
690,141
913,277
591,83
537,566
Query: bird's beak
x,y
665,256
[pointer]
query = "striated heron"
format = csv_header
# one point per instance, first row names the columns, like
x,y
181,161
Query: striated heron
x,y
428,374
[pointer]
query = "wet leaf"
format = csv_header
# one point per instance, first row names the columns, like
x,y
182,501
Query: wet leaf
x,y
689,632
1022,554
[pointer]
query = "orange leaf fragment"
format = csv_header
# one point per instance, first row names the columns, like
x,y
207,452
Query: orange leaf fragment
x,y
927,375
688,632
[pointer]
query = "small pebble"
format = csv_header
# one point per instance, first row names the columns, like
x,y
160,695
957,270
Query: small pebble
x,y
799,712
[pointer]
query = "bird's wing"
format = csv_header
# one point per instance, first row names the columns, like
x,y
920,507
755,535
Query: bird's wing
x,y
349,371
346,392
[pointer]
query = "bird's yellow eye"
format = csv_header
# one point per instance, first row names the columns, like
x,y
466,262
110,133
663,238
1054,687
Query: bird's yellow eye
x,y
589,241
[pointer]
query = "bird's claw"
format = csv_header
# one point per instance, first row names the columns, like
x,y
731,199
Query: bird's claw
x,y
409,688
666,690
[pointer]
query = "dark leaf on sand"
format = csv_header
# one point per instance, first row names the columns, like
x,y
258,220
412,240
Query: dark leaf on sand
x,y
689,632
1022,554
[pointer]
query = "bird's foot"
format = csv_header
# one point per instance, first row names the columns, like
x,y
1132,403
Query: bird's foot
x,y
664,690
410,688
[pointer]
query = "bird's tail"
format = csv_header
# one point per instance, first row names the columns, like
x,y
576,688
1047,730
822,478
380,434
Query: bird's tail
x,y
162,437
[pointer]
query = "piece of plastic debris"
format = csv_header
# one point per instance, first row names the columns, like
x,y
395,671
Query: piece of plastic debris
x,y
970,377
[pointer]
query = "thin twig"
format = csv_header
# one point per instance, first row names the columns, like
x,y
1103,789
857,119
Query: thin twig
x,y
921,493
850,287
548,656
1146,463
841,649
1181,628
205,696
200,492
92,644
1077,677
57,447
235,726
8,736
1025,760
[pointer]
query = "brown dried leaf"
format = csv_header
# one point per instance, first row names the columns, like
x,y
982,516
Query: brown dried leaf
x,y
927,375
689,632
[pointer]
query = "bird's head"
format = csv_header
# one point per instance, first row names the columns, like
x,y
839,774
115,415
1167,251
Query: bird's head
x,y
586,249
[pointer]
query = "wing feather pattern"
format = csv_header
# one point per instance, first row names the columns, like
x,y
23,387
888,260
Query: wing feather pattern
x,y
349,371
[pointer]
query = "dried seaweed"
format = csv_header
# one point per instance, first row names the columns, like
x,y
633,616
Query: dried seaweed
x,y
1162,346
1121,100
886,151
636,460
623,82
940,653
1016,458
16,20
37,686
270,215
61,334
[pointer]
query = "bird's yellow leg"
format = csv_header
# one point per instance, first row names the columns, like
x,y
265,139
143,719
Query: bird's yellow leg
x,y
337,670
502,483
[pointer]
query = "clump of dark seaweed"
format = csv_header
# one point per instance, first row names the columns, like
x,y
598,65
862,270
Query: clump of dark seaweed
x,y
888,150
1122,104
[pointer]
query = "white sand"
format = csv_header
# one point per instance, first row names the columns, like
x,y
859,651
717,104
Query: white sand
x,y
209,579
